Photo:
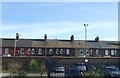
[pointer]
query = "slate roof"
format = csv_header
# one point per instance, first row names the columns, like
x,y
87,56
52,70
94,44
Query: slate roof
x,y
54,43
93,44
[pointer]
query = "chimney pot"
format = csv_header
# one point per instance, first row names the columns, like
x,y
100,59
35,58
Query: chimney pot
x,y
45,37
97,39
72,38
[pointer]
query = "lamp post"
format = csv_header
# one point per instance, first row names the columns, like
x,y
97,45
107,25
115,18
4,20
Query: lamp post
x,y
17,38
85,38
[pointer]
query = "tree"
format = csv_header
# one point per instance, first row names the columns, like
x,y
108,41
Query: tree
x,y
33,66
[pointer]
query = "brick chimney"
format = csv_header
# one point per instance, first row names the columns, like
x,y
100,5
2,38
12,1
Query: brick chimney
x,y
72,38
97,39
45,37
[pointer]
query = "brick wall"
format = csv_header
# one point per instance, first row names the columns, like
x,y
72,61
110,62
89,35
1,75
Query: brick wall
x,y
64,60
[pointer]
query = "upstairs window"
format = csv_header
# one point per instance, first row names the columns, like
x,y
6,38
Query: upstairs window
x,y
81,52
112,52
106,53
22,51
61,51
40,51
87,52
97,52
57,51
33,51
115,52
68,51
91,52
29,51
6,51
50,51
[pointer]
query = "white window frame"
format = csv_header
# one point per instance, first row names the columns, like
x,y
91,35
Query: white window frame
x,y
33,51
106,53
50,51
116,52
29,51
22,51
56,51
112,52
40,51
91,52
97,52
87,52
81,52
61,51
67,51
6,51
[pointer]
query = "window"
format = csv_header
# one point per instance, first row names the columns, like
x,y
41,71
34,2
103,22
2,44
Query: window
x,y
22,51
91,52
50,51
40,51
33,51
112,52
87,52
67,51
81,52
97,51
115,52
29,51
106,53
57,51
6,51
61,51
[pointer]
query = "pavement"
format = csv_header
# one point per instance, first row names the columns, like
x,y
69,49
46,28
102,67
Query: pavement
x,y
35,74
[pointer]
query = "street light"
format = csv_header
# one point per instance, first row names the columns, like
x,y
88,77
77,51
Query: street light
x,y
17,38
85,38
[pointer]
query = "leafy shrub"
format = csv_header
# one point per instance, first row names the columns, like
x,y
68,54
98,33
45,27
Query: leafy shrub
x,y
93,74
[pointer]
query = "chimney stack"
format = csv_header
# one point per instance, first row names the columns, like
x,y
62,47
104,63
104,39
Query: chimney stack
x,y
45,37
72,38
97,39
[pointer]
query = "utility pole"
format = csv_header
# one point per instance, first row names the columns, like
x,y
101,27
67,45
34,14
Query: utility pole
x,y
85,39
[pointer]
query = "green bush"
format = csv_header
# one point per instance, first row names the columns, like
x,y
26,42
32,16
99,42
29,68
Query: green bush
x,y
33,66
93,74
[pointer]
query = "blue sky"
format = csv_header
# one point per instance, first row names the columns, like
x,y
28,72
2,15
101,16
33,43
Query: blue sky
x,y
60,20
